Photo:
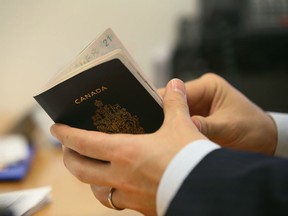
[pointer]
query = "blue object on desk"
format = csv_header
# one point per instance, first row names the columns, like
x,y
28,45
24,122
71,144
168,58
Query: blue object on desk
x,y
19,170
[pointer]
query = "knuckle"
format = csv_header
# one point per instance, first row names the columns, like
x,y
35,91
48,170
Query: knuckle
x,y
210,75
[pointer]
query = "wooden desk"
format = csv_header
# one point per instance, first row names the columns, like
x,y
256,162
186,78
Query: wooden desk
x,y
70,197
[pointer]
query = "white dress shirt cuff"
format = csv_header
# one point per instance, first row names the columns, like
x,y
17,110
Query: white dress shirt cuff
x,y
178,169
281,121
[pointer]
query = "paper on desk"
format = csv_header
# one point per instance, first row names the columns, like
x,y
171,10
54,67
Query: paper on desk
x,y
26,202
13,148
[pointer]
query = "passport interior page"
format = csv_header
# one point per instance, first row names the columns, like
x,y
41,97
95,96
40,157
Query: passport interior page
x,y
102,45
108,94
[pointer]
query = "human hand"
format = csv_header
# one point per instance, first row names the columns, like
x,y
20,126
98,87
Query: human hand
x,y
132,164
228,118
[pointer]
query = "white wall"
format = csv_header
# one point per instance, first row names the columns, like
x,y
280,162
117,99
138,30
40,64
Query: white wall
x,y
38,37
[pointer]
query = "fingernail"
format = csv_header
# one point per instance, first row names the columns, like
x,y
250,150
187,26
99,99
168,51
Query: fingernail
x,y
178,85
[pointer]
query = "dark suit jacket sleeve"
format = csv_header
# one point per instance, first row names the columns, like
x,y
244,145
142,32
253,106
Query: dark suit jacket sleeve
x,y
228,182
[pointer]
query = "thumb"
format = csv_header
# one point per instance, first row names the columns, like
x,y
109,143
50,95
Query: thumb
x,y
210,126
175,100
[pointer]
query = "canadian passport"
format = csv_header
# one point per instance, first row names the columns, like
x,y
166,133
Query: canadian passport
x,y
103,89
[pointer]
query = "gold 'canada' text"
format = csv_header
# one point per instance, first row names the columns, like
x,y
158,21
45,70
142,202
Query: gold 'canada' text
x,y
90,94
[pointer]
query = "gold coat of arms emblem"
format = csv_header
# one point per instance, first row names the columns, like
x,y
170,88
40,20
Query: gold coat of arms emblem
x,y
115,119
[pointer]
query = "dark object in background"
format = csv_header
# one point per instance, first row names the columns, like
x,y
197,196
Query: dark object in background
x,y
241,40
249,35
6,212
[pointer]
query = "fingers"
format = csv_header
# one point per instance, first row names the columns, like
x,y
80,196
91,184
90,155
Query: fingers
x,y
92,144
101,194
81,141
201,93
107,196
202,124
215,127
118,200
86,169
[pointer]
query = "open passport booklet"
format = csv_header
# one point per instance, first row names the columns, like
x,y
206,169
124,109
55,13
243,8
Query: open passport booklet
x,y
103,89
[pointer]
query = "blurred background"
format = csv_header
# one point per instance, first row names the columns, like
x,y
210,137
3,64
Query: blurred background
x,y
245,41
39,37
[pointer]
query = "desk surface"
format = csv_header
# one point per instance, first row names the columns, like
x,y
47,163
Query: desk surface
x,y
70,197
